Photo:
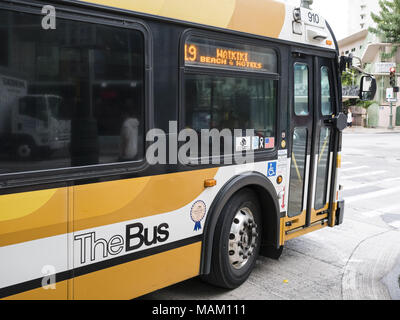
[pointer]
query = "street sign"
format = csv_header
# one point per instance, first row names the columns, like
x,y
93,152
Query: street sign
x,y
384,67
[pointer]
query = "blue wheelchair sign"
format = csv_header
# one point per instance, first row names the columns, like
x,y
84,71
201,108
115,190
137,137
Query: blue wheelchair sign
x,y
271,169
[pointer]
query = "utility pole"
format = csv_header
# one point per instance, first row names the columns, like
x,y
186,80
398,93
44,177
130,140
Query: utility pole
x,y
306,3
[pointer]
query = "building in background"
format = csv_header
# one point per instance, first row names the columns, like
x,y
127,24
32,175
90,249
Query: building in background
x,y
369,48
360,15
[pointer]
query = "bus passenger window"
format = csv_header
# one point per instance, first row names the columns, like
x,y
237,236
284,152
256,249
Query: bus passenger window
x,y
301,89
326,103
71,97
221,102
243,99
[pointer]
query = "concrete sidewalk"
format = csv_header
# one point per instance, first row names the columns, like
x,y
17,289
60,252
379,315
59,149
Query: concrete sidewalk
x,y
362,130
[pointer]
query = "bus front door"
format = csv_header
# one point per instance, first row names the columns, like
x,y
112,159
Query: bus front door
x,y
311,144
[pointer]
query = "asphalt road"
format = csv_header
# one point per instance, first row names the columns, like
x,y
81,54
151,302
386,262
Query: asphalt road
x,y
357,260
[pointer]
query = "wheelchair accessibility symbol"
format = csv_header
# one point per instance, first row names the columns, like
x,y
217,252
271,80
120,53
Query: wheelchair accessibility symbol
x,y
271,169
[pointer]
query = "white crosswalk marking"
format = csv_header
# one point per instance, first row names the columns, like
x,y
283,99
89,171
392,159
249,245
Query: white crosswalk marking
x,y
354,168
365,174
351,183
358,185
395,224
372,195
381,211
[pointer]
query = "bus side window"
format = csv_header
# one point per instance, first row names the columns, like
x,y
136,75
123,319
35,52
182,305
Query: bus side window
x,y
74,96
244,99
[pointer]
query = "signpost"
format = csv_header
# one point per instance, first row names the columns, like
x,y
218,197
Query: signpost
x,y
391,94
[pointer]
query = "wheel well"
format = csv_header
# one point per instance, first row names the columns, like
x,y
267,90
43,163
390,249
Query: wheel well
x,y
268,201
269,219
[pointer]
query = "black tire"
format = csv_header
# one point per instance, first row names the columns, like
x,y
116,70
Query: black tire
x,y
223,272
25,150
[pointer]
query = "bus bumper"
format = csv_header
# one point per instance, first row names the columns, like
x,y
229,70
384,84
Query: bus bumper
x,y
340,213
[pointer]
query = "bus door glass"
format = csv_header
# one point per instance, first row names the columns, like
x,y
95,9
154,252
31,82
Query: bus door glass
x,y
302,111
322,159
311,147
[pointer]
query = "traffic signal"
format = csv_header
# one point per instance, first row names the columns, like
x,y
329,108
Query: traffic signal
x,y
392,77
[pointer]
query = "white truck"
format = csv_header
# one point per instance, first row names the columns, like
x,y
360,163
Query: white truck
x,y
30,125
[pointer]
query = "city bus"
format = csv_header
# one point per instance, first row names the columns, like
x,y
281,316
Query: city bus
x,y
98,218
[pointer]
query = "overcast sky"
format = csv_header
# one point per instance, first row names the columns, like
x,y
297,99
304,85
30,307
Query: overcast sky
x,y
334,11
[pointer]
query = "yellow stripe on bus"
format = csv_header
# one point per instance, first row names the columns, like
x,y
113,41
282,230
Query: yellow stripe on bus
x,y
265,18
35,215
140,277
96,205
17,206
261,17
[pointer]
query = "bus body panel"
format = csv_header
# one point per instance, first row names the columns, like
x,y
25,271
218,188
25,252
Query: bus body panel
x,y
126,237
266,18
127,225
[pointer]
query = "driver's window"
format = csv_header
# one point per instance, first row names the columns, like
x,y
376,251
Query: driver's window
x,y
326,101
301,89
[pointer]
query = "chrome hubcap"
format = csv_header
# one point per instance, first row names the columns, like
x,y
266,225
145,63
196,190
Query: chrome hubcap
x,y
242,238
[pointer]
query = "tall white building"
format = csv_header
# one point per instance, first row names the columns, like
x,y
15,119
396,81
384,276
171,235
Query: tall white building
x,y
360,14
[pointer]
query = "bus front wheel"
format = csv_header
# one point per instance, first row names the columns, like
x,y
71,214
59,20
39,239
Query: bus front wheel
x,y
237,241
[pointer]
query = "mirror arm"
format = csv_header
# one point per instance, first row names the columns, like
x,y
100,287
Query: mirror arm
x,y
362,71
359,69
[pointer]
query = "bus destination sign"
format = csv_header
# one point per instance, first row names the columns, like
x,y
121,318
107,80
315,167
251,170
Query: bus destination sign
x,y
218,55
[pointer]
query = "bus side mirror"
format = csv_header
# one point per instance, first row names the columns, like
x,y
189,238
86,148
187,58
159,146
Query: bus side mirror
x,y
367,88
340,121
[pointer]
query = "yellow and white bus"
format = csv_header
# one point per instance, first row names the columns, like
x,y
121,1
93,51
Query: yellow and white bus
x,y
95,219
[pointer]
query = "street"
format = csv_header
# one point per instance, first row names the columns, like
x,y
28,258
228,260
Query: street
x,y
358,260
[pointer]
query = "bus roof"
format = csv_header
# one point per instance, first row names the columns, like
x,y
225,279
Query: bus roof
x,y
268,18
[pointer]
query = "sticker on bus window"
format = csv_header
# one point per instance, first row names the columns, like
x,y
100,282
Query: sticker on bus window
x,y
256,143
269,143
243,144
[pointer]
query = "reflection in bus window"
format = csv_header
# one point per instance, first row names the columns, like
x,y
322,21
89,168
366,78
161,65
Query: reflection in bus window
x,y
322,169
297,172
326,104
301,89
219,102
67,94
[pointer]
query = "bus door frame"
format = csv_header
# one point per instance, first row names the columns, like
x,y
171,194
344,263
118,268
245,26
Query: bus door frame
x,y
314,122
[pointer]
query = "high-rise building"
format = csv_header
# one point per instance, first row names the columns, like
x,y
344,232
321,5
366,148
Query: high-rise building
x,y
360,14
